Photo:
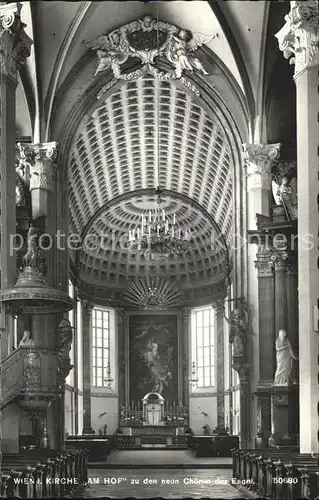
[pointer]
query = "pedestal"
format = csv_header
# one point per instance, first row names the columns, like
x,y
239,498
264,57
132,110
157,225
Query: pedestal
x,y
283,409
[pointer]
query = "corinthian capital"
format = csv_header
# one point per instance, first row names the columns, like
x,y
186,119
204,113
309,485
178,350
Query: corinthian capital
x,y
299,37
259,159
39,158
15,44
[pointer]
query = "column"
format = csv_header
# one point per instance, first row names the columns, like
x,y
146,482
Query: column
x,y
299,41
87,366
14,49
280,265
259,159
120,330
187,354
219,318
266,340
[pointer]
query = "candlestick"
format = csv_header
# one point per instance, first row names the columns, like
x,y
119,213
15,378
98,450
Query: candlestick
x,y
163,215
150,216
174,219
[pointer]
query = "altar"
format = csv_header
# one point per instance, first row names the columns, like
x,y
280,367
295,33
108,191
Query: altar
x,y
153,409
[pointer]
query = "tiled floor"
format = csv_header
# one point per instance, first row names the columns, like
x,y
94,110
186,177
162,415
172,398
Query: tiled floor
x,y
174,474
163,483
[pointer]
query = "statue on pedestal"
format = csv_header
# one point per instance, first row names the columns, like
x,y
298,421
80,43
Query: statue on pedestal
x,y
238,331
284,357
64,344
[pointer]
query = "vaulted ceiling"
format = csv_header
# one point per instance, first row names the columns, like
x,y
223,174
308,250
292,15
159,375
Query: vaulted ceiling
x,y
143,133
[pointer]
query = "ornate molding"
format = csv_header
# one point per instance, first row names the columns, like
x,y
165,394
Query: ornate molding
x,y
186,312
15,44
259,159
265,267
147,39
38,158
299,37
87,308
120,313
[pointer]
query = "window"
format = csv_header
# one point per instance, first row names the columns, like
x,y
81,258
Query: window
x,y
100,346
203,334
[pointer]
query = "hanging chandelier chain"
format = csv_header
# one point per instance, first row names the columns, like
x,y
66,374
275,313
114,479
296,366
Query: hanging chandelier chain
x,y
158,235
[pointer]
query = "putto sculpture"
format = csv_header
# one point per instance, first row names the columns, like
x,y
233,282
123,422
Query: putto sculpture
x,y
149,40
284,189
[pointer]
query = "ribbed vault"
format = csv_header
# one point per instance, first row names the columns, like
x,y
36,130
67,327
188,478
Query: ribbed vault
x,y
145,124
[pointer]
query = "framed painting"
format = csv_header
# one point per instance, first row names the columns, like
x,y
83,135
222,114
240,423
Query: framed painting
x,y
153,357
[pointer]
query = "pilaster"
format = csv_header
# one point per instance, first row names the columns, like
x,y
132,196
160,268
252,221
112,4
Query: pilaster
x,y
186,349
120,329
219,318
86,308
299,41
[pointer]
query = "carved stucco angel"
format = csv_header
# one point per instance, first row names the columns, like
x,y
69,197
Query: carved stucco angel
x,y
179,51
112,51
284,189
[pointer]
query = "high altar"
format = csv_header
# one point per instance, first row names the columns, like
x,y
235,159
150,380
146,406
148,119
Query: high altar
x,y
153,409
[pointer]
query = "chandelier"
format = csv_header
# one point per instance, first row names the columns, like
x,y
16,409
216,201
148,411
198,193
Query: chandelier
x,y
153,293
108,379
157,236
193,379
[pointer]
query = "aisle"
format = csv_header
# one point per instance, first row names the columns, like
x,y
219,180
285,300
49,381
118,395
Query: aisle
x,y
164,458
161,482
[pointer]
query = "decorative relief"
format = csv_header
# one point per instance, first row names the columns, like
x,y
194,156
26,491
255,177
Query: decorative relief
x,y
147,39
259,160
299,37
120,313
15,44
39,159
32,371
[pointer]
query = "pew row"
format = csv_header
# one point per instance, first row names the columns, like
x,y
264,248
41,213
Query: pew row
x,y
42,473
277,474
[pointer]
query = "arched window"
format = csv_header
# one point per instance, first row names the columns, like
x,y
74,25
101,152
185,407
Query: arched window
x,y
203,345
101,329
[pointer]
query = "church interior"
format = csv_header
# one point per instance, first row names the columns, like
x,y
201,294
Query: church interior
x,y
159,248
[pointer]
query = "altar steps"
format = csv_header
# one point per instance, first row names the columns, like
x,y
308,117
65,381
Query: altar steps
x,y
148,441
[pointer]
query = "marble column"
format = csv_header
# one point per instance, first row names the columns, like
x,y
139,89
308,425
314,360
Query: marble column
x,y
87,366
120,331
280,266
219,318
299,41
186,346
266,336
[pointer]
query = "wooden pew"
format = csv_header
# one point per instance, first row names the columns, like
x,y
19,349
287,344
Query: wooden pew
x,y
277,474
42,473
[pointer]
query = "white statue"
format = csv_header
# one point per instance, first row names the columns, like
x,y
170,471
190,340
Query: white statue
x,y
26,339
179,52
284,192
284,357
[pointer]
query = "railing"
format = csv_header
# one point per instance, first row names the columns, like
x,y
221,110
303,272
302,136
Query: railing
x,y
29,371
174,416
